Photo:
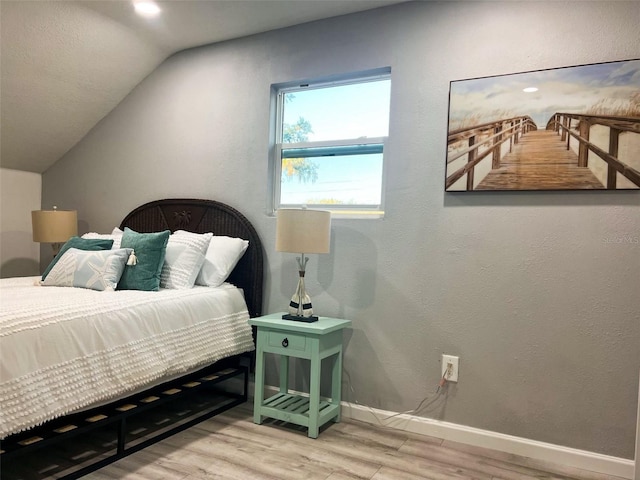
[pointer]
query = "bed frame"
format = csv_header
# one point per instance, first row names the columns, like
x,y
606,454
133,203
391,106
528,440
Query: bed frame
x,y
124,425
202,216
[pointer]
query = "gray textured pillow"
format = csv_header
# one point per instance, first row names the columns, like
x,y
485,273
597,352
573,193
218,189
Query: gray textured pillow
x,y
97,270
82,244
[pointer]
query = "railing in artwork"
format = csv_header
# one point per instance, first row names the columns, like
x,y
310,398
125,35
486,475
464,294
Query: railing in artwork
x,y
487,135
562,124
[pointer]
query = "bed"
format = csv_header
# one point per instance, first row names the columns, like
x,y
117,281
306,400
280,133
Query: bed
x,y
76,358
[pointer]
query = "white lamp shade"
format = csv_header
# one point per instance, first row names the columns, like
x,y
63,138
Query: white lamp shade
x,y
54,226
303,231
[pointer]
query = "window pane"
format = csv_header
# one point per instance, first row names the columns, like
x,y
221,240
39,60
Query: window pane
x,y
331,151
337,112
336,180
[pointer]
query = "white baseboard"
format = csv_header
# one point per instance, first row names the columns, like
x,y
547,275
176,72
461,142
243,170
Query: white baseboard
x,y
594,462
549,452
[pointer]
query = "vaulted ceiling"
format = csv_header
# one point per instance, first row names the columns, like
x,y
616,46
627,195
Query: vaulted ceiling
x,y
67,64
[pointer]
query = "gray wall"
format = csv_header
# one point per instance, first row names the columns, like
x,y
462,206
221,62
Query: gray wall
x,y
19,194
527,288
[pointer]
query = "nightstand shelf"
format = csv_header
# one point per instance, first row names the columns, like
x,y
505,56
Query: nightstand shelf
x,y
313,341
295,409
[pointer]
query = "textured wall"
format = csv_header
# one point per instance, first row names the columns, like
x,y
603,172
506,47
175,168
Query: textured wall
x,y
527,288
19,194
53,89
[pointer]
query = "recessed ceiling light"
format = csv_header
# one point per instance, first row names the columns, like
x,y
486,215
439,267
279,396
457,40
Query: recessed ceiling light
x,y
147,9
530,89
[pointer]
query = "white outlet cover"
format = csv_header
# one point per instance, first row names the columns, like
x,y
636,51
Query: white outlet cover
x,y
455,362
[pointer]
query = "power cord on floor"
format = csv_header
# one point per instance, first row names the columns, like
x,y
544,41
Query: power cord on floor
x,y
422,407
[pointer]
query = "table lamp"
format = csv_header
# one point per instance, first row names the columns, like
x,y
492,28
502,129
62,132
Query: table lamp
x,y
54,226
302,231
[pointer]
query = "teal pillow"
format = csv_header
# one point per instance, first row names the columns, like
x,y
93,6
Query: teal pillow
x,y
99,270
81,244
149,250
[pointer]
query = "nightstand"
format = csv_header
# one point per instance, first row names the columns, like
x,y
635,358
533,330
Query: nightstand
x,y
314,341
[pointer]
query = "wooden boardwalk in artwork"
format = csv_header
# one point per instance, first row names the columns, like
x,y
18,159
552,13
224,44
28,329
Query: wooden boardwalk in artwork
x,y
540,161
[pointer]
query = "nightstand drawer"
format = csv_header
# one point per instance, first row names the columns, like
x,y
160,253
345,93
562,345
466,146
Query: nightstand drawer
x,y
286,342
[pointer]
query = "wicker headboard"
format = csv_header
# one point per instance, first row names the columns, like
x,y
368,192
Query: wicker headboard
x,y
201,216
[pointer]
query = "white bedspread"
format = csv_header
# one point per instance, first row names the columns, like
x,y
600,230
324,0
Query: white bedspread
x,y
63,349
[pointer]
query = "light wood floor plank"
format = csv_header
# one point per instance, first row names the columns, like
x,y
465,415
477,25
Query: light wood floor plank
x,y
473,463
265,460
347,441
291,443
549,469
386,473
210,467
341,476
140,466
335,448
231,447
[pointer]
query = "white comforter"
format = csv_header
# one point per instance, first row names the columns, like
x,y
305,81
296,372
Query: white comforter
x,y
63,349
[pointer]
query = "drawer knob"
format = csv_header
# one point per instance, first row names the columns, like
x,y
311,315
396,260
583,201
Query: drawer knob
x,y
285,342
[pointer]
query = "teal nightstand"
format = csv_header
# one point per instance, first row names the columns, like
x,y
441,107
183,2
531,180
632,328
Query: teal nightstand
x,y
314,341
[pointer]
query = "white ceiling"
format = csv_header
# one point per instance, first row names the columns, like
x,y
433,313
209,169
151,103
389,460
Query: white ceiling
x,y
66,64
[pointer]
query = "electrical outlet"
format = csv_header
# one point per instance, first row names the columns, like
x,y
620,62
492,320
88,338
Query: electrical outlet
x,y
450,365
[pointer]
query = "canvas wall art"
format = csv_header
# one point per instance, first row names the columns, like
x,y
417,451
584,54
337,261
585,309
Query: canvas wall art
x,y
572,128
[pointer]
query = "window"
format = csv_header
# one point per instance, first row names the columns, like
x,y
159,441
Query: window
x,y
329,144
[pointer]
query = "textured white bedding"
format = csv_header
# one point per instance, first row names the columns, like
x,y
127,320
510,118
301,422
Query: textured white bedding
x,y
63,349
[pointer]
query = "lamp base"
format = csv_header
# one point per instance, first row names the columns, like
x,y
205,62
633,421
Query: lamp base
x,y
300,318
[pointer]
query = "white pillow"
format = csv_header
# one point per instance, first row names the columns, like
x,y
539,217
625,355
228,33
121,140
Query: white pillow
x,y
183,260
197,239
222,256
115,235
97,270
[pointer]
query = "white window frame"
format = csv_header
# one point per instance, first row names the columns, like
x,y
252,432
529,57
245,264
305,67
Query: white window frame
x,y
353,146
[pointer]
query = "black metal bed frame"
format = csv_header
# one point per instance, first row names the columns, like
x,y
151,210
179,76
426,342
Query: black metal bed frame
x,y
120,414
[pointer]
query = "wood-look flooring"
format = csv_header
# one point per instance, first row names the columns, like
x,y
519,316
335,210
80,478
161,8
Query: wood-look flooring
x,y
231,446
540,161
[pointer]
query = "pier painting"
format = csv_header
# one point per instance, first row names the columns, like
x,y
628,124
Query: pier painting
x,y
573,128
